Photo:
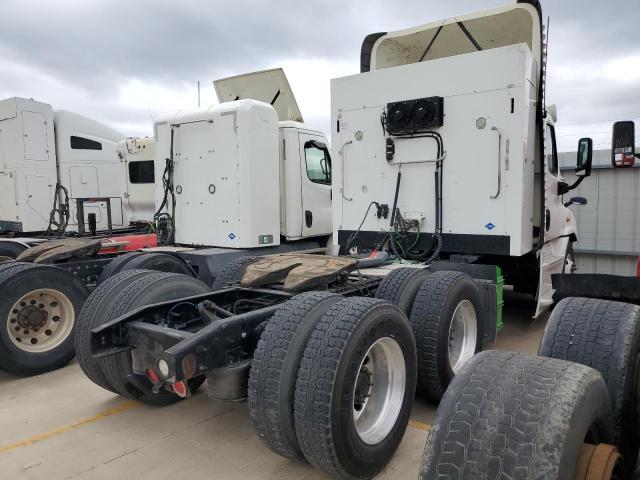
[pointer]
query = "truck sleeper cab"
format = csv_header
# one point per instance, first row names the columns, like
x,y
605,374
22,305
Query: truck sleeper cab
x,y
457,158
244,173
47,155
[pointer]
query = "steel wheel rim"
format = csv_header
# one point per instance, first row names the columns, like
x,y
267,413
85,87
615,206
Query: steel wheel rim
x,y
41,320
463,335
378,393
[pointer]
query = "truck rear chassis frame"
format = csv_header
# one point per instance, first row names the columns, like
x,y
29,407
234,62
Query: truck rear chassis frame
x,y
204,335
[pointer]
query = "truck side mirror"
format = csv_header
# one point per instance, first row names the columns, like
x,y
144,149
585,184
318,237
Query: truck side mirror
x,y
576,201
585,157
623,152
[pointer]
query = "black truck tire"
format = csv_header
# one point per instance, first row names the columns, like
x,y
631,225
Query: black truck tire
x,y
93,315
603,335
232,272
116,265
12,263
39,305
445,321
11,249
145,290
511,415
355,388
274,370
401,286
161,262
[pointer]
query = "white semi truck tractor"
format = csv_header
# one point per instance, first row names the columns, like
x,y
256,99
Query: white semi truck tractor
x,y
244,177
58,169
444,159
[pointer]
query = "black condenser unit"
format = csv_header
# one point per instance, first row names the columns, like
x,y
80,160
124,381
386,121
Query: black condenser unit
x,y
414,116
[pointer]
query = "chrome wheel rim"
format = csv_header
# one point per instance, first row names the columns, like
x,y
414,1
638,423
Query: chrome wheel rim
x,y
41,320
379,389
463,335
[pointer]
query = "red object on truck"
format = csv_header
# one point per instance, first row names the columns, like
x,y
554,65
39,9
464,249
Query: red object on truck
x,y
129,243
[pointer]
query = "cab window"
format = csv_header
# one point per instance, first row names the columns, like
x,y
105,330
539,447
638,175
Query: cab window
x,y
141,172
318,163
81,143
551,150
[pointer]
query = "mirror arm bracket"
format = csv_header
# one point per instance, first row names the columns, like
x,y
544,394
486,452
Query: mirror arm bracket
x,y
564,188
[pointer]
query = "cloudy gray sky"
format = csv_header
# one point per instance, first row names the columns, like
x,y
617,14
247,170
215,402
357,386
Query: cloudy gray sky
x,y
123,62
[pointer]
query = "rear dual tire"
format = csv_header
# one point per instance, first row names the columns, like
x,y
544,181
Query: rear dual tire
x,y
445,321
11,249
401,286
274,369
38,309
159,262
113,299
443,309
92,315
604,335
232,272
509,415
353,362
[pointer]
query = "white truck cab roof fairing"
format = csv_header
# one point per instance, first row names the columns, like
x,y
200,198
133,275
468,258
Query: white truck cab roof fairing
x,y
499,27
270,86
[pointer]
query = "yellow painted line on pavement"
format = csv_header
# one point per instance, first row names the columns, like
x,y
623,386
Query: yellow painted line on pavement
x,y
419,425
71,426
108,413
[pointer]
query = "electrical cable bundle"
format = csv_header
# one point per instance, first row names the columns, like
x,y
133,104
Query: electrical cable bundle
x,y
59,214
398,231
164,222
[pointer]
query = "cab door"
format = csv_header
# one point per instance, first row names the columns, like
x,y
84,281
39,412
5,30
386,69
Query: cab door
x,y
315,170
559,226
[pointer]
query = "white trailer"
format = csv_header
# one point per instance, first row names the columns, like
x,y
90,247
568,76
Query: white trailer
x,y
48,155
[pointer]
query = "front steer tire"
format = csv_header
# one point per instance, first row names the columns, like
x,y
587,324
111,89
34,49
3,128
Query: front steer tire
x,y
38,309
517,416
274,370
340,429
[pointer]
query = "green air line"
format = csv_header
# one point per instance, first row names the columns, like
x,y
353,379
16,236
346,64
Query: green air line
x,y
416,241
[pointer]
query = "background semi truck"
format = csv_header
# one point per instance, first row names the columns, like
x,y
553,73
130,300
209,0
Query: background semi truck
x,y
453,174
243,177
52,159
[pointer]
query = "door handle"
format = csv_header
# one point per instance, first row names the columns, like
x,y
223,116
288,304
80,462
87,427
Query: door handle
x,y
493,197
344,158
308,218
